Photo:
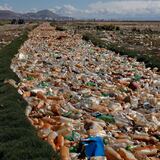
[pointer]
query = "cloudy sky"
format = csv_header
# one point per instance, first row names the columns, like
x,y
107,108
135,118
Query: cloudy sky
x,y
101,9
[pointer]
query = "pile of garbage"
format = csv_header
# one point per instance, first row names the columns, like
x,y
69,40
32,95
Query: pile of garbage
x,y
88,101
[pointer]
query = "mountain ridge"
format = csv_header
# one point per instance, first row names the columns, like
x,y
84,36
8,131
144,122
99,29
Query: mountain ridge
x,y
39,15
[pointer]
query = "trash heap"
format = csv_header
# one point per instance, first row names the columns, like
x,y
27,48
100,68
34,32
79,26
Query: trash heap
x,y
75,90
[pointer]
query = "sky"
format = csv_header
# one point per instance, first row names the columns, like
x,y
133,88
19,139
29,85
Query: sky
x,y
100,9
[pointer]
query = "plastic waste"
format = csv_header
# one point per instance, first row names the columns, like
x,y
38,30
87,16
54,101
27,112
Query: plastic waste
x,y
75,90
111,154
106,118
94,146
64,152
126,154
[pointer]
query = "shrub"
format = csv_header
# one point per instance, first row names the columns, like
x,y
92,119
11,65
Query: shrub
x,y
93,39
21,21
109,27
14,21
60,28
134,29
117,28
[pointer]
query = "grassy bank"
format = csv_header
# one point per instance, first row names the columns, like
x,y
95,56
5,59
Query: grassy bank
x,y
149,60
3,22
18,139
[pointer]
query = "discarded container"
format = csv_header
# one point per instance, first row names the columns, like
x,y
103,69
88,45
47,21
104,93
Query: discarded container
x,y
64,152
111,154
75,90
94,147
147,150
126,155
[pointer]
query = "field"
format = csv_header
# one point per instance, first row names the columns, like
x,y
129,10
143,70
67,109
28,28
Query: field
x,y
18,139
9,32
73,80
136,39
4,22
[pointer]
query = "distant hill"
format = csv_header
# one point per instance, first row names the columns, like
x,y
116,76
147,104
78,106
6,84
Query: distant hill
x,y
6,14
40,15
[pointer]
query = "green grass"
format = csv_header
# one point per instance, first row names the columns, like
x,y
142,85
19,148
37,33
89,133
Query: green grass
x,y
3,22
18,138
94,39
107,27
150,61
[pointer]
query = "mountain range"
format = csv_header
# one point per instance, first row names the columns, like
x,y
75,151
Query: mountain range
x,y
40,15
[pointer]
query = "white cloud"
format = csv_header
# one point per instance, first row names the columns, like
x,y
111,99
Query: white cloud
x,y
5,7
109,9
34,10
125,7
114,9
55,9
66,10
